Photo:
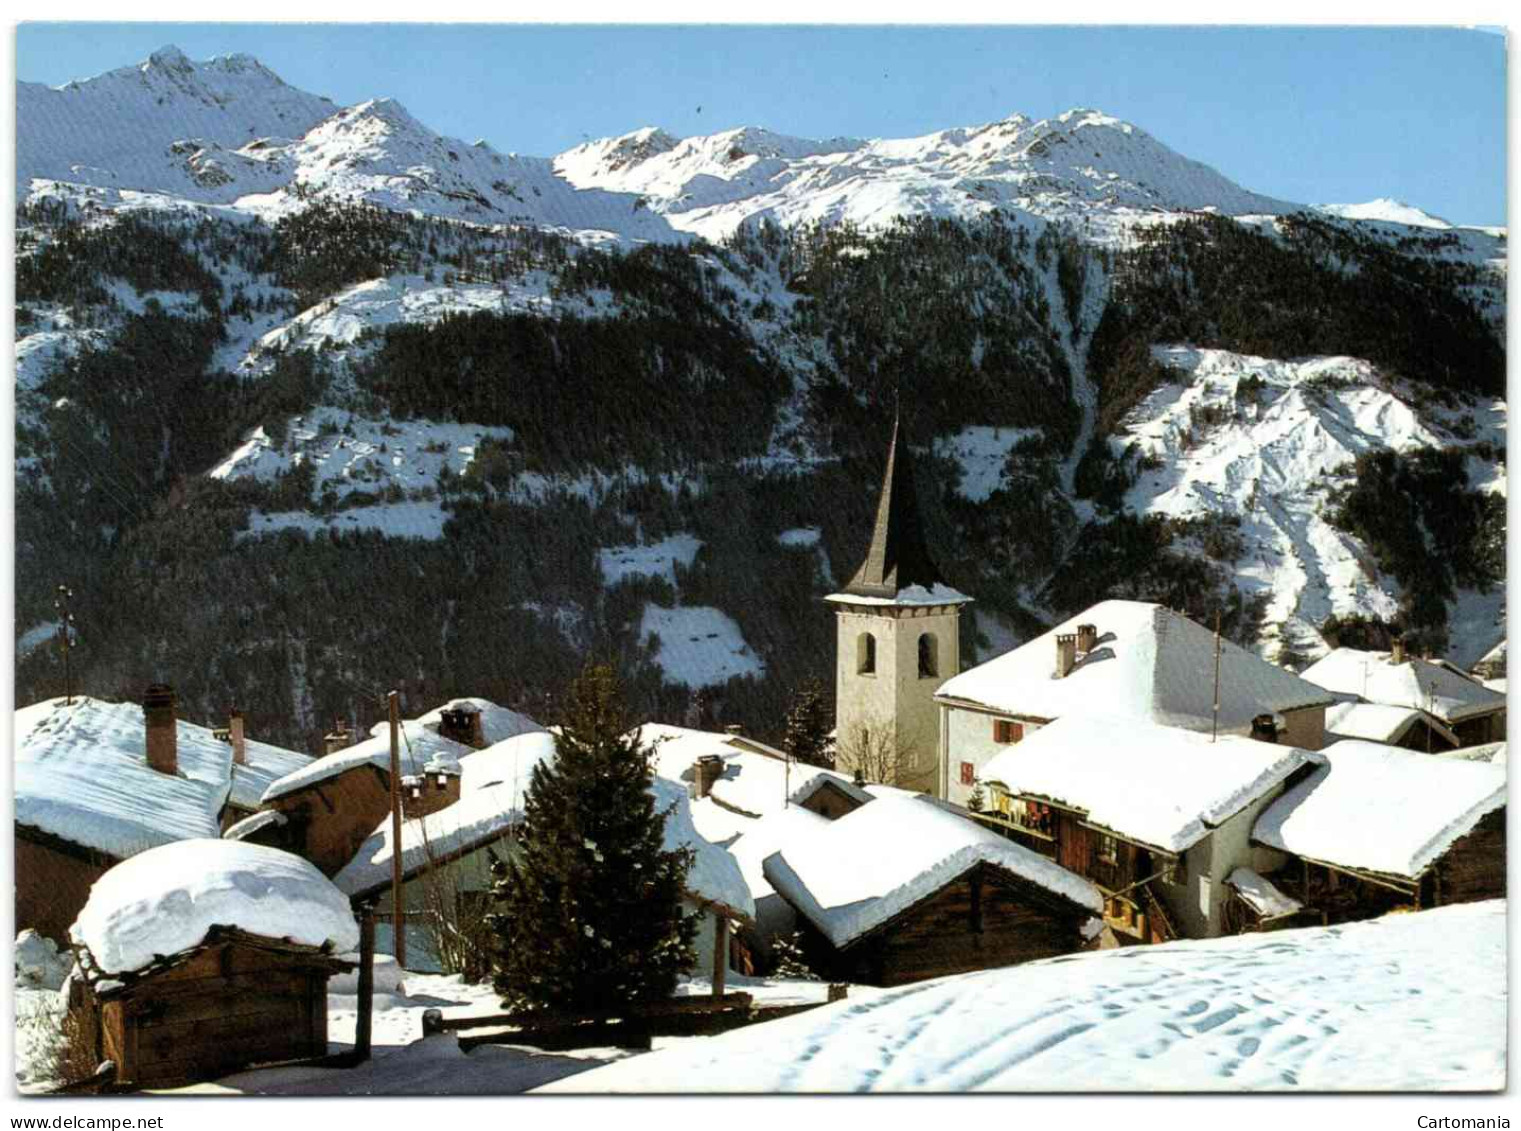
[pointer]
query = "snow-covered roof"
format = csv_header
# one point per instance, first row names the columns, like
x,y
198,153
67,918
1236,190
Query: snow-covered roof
x,y
1149,663
767,835
855,873
251,824
1402,1003
1157,785
1379,722
715,874
752,782
167,899
497,723
1262,895
1486,752
265,765
1436,688
1381,809
417,747
915,595
82,775
492,786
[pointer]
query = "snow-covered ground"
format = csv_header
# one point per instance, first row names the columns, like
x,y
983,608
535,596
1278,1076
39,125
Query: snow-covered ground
x,y
658,559
1413,1002
699,646
1264,441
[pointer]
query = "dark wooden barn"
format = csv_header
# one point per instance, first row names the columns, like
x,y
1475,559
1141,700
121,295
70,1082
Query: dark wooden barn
x,y
900,890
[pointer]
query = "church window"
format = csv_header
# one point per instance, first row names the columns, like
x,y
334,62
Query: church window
x,y
929,658
866,654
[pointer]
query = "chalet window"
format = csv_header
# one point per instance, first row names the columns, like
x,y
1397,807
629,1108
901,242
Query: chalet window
x,y
968,774
1108,849
929,656
1006,731
866,654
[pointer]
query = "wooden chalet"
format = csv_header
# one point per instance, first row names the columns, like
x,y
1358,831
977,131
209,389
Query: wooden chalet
x,y
901,890
1156,817
1377,828
171,998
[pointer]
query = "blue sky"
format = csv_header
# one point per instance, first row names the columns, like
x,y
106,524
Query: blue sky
x,y
1312,114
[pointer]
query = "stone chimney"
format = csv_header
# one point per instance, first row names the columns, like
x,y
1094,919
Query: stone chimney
x,y
339,739
1066,654
705,771
1087,638
163,732
1397,650
463,724
235,736
1264,729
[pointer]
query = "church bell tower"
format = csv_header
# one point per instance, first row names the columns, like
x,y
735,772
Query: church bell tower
x,y
897,641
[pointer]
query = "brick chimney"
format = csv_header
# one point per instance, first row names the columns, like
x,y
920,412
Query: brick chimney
x,y
705,771
437,787
1066,654
1264,729
235,736
339,739
463,724
162,731
1087,637
1397,650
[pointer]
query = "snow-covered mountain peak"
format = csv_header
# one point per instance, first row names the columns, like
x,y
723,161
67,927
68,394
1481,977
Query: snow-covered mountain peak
x,y
169,58
1388,211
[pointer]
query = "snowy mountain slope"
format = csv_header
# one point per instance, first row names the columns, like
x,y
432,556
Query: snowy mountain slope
x,y
1264,442
166,123
1077,163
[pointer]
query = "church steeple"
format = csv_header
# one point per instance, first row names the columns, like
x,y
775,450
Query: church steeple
x,y
897,557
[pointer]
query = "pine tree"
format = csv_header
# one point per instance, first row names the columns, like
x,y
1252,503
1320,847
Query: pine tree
x,y
788,960
807,737
977,800
589,906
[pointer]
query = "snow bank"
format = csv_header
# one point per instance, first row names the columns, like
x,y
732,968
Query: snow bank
x,y
1149,663
1381,808
1158,785
167,899
857,872
1406,1003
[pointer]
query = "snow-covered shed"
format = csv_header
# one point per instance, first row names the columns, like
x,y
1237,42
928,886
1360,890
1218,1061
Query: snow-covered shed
x,y
203,956
88,796
1156,816
1475,713
1128,658
1409,727
900,890
1376,827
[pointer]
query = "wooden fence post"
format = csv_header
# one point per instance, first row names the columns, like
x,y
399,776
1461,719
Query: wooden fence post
x,y
366,983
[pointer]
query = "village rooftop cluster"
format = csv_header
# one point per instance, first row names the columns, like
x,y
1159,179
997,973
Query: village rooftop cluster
x,y
1127,779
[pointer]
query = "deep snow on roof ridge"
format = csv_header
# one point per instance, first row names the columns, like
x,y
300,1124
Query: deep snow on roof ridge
x,y
1386,764
787,868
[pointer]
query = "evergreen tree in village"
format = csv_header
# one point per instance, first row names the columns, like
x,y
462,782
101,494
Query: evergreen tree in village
x,y
808,721
589,907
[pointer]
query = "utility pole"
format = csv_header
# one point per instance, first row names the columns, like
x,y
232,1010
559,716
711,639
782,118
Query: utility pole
x,y
398,920
65,632
1214,726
